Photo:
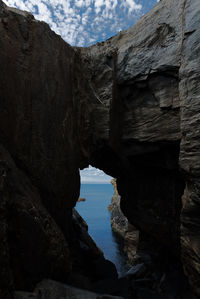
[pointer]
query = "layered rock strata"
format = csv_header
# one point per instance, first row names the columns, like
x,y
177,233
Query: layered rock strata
x,y
151,111
128,106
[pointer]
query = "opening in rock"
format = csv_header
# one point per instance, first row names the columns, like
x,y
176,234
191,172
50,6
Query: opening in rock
x,y
95,197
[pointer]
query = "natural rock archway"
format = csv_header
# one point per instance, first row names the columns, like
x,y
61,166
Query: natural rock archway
x,y
129,106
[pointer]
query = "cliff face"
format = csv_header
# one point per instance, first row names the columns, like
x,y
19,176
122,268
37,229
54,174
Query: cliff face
x,y
119,222
128,106
142,149
39,158
152,147
36,122
121,226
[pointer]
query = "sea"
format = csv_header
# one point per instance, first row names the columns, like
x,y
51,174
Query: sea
x,y
95,212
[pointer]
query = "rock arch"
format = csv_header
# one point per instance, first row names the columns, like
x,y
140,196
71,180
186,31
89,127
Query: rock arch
x,y
128,106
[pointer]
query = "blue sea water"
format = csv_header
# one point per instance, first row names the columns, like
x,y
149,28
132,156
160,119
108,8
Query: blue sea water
x,y
95,212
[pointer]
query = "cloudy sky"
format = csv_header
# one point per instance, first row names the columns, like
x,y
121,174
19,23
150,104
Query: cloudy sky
x,y
93,175
85,22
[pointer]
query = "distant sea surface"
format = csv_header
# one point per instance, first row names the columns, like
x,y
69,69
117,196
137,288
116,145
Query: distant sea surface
x,y
95,212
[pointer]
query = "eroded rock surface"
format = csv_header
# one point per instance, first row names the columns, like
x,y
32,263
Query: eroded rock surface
x,y
129,106
119,222
153,105
37,127
190,143
121,226
142,149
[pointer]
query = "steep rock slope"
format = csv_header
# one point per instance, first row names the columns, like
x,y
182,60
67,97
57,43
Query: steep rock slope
x,y
128,106
153,106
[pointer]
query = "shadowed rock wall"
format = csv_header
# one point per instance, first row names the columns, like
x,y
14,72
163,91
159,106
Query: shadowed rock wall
x,y
153,108
128,106
189,153
37,109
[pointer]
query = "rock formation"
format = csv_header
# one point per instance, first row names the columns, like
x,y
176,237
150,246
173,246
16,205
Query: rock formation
x,y
121,225
129,106
119,222
81,199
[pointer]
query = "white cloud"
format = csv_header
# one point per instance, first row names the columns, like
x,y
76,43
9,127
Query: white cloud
x,y
94,175
81,22
133,6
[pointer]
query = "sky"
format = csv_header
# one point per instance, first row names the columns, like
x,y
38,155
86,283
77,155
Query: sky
x,y
85,22
93,175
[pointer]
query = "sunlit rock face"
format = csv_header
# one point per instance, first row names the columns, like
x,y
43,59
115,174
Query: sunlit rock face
x,y
128,106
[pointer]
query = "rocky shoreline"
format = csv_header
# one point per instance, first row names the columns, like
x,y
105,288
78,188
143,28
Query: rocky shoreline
x,y
122,227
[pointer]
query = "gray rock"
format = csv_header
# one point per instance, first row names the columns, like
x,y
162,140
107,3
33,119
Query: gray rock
x,y
190,142
121,225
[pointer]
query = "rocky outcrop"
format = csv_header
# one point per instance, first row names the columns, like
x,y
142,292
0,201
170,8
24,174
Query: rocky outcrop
x,y
128,106
121,226
150,114
41,236
119,222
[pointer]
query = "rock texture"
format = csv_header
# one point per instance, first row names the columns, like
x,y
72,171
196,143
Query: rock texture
x,y
37,107
151,113
129,106
189,153
26,225
119,222
41,236
121,225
